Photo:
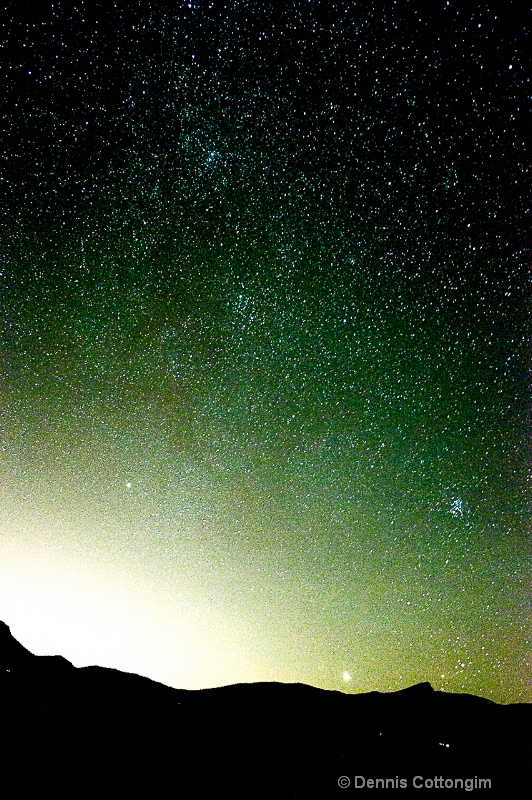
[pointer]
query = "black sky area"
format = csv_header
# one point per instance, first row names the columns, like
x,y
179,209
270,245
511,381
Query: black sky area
x,y
265,340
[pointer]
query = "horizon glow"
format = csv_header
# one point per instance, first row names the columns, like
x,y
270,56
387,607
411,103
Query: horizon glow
x,y
265,351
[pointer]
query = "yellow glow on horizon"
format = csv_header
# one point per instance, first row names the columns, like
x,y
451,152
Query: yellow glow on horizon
x,y
92,613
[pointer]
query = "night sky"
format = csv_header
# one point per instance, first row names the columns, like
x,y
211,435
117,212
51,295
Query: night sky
x,y
265,357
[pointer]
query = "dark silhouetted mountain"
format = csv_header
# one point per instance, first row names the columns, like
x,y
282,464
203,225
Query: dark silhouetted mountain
x,y
99,733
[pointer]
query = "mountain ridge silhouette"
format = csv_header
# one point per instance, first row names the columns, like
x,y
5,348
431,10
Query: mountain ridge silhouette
x,y
100,733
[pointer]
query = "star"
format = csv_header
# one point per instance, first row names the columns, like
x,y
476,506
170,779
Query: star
x,y
295,310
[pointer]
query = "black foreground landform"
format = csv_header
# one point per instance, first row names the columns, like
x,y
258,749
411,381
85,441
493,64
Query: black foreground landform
x,y
99,733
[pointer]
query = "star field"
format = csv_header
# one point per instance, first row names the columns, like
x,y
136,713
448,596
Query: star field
x,y
265,341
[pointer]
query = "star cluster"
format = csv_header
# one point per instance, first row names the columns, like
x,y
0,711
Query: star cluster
x,y
266,367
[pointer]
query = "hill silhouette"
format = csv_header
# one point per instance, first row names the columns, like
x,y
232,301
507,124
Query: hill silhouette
x,y
99,733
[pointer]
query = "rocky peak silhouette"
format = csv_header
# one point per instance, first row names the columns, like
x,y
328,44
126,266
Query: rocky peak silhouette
x,y
99,733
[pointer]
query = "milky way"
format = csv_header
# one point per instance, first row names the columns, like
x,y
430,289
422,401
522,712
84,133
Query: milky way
x,y
265,365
